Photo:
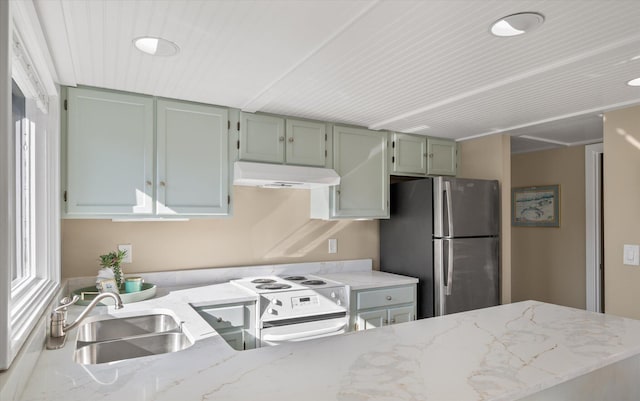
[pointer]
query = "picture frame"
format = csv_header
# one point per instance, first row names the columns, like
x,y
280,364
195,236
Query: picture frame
x,y
537,206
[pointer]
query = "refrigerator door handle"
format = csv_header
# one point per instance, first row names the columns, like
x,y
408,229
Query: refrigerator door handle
x,y
447,191
449,267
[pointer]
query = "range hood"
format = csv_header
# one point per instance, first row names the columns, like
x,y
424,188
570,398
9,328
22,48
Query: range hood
x,y
283,176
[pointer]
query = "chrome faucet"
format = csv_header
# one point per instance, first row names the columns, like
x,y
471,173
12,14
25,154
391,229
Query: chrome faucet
x,y
59,326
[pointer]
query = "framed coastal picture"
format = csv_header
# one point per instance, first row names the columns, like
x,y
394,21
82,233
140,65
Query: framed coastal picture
x,y
536,206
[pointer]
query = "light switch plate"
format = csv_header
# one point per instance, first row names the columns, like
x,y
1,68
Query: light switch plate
x,y
631,255
333,245
128,258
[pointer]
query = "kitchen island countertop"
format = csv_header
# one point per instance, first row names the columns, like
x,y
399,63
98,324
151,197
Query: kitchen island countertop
x,y
500,353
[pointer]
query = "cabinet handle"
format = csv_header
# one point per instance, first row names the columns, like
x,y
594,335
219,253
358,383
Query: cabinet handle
x,y
162,183
281,139
149,183
385,321
291,139
431,155
389,298
393,321
219,320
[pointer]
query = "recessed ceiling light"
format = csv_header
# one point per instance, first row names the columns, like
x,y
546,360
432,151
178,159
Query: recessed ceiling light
x,y
156,46
634,82
517,24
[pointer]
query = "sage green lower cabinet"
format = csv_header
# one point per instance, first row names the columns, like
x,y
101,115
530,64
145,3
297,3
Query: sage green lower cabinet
x,y
235,322
380,307
192,164
442,157
360,158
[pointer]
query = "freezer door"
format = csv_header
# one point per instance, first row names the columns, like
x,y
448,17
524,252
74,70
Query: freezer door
x,y
405,239
465,208
466,274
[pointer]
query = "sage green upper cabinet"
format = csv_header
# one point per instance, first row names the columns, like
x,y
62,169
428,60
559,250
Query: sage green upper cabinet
x,y
306,143
276,140
360,158
442,157
115,170
409,154
261,138
109,153
192,163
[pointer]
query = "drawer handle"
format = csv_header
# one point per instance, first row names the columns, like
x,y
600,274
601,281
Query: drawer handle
x,y
389,298
219,320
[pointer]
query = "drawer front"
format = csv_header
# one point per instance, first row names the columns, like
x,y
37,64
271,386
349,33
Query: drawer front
x,y
384,297
224,317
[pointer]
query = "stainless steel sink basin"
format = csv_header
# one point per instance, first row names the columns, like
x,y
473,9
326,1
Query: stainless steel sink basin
x,y
116,339
133,347
111,329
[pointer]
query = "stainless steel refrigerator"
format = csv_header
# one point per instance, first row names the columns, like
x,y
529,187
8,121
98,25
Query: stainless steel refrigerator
x,y
445,231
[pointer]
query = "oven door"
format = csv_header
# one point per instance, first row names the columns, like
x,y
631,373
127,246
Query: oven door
x,y
307,330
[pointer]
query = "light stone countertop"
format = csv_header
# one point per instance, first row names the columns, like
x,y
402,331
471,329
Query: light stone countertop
x,y
500,353
370,279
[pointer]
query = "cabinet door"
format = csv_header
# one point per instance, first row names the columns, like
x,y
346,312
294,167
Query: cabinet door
x,y
401,315
409,154
192,158
261,138
371,319
109,153
306,143
442,157
360,158
235,339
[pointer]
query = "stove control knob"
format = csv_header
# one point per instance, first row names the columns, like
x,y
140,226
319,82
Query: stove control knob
x,y
333,294
276,302
272,311
338,302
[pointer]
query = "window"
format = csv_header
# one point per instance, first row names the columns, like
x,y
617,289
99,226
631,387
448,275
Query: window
x,y
29,192
23,267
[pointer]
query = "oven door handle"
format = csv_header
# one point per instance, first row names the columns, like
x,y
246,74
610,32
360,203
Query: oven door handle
x,y
303,334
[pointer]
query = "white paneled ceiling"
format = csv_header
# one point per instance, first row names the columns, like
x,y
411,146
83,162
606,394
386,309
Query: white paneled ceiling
x,y
393,65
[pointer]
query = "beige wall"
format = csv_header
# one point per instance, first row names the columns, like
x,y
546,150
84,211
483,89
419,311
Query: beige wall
x,y
489,157
621,210
269,226
548,264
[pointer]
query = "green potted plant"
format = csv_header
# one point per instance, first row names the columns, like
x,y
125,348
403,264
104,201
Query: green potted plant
x,y
112,261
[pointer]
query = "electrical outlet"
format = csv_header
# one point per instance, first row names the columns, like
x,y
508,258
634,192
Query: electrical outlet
x,y
333,245
128,258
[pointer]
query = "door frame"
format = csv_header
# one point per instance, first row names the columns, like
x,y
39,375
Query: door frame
x,y
593,206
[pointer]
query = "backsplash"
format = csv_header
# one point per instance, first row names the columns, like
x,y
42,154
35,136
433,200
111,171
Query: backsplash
x,y
267,227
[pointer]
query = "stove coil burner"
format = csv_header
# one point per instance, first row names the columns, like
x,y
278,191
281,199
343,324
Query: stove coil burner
x,y
263,281
314,282
295,278
272,286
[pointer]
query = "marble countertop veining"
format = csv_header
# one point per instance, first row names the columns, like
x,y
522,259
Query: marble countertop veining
x,y
500,353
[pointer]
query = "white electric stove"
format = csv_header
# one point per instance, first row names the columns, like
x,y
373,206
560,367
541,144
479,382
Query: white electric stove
x,y
297,308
